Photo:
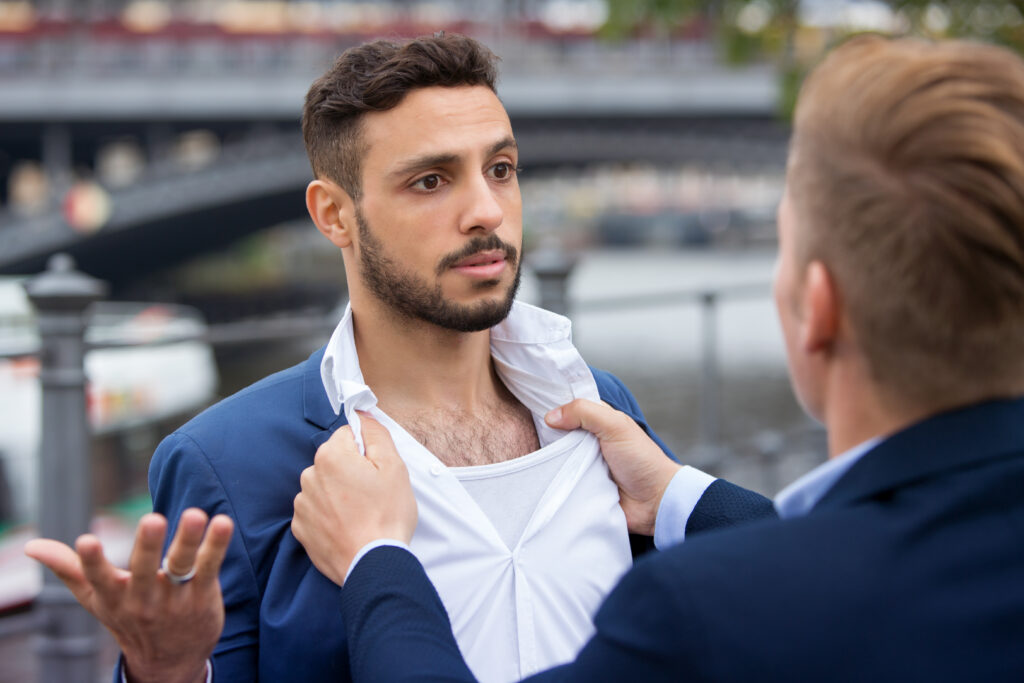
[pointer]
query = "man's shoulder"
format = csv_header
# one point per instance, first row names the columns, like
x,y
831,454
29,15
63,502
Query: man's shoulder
x,y
248,448
278,394
784,541
880,577
281,385
734,583
614,392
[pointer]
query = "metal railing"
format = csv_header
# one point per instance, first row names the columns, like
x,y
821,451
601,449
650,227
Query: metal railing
x,y
69,645
553,269
111,50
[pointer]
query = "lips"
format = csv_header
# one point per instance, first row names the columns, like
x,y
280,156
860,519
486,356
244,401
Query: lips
x,y
483,265
483,258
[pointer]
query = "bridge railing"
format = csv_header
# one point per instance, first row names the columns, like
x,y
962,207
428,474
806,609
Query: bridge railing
x,y
710,449
111,49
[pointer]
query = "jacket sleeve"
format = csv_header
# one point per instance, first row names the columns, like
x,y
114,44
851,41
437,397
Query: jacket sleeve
x,y
646,630
181,476
725,505
398,629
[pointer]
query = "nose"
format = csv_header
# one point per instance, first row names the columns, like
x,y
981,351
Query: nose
x,y
483,212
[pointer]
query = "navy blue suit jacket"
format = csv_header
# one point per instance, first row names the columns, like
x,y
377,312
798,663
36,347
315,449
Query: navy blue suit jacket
x,y
911,568
243,458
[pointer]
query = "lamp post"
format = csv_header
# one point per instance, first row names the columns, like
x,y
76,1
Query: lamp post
x,y
67,646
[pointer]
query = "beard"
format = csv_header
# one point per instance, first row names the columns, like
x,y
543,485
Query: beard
x,y
413,298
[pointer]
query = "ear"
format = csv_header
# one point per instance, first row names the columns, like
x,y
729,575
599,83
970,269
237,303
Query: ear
x,y
820,323
332,210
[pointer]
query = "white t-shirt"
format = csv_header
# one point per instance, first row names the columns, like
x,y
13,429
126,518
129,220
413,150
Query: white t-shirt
x,y
508,492
520,600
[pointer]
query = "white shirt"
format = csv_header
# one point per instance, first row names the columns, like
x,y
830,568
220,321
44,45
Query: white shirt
x,y
521,609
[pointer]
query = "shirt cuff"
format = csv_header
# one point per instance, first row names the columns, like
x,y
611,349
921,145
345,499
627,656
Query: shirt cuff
x,y
124,671
680,498
370,546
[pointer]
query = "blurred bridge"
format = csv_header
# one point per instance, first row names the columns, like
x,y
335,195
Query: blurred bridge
x,y
572,104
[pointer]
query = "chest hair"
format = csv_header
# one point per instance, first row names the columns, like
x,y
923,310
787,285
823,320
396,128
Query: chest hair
x,y
461,439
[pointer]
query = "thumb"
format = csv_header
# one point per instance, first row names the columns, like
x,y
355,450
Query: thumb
x,y
61,560
600,419
379,445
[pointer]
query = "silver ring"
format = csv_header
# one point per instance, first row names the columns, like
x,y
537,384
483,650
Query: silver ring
x,y
177,579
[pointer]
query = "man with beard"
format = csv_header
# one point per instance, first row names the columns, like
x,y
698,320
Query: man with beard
x,y
520,526
900,292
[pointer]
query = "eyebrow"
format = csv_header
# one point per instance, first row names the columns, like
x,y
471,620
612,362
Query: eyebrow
x,y
429,160
502,144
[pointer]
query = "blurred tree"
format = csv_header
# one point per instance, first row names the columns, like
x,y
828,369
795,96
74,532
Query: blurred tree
x,y
751,30
745,27
997,21
629,18
764,22
744,30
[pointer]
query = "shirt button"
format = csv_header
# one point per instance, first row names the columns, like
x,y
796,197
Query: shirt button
x,y
436,470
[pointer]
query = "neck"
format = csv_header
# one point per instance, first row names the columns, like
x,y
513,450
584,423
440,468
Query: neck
x,y
412,363
857,409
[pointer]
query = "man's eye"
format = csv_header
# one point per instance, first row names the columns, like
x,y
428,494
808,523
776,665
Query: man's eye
x,y
428,182
502,171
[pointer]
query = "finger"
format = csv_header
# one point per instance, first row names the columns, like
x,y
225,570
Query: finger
x,y
380,447
343,439
306,478
97,569
213,549
181,555
300,505
61,559
341,443
598,418
145,558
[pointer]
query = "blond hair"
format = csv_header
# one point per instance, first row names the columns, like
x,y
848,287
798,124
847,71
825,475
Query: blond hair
x,y
907,169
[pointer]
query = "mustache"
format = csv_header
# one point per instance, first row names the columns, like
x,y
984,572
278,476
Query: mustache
x,y
480,243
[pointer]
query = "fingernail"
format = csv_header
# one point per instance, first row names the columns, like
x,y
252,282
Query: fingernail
x,y
554,416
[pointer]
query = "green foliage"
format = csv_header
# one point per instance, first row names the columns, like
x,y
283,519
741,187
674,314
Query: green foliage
x,y
665,18
773,35
996,21
627,18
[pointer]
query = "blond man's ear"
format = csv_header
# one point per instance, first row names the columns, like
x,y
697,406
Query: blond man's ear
x,y
819,322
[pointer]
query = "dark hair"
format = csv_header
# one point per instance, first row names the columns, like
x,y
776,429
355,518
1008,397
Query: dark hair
x,y
376,76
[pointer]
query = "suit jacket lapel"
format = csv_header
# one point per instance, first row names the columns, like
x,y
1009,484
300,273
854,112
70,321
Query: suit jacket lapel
x,y
315,405
958,438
